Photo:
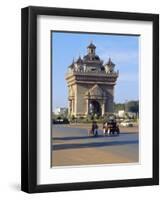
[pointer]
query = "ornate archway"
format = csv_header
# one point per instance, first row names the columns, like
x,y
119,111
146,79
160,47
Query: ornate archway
x,y
94,107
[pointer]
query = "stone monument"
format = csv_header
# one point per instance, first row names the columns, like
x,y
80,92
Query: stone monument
x,y
91,85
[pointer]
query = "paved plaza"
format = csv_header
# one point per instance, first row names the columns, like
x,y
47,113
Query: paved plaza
x,y
71,146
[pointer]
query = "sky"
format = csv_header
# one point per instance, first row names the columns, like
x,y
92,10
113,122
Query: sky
x,y
122,49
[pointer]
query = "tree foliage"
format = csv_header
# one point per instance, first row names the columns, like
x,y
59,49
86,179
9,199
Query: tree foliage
x,y
119,106
130,106
133,106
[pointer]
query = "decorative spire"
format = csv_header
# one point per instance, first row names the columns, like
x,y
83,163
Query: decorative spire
x,y
73,61
79,60
91,46
72,64
110,63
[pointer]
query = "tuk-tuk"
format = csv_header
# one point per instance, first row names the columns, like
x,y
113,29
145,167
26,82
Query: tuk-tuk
x,y
111,127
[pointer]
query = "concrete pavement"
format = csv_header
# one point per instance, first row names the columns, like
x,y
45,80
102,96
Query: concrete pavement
x,y
72,146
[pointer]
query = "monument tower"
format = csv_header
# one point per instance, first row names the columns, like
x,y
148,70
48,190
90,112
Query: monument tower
x,y
91,85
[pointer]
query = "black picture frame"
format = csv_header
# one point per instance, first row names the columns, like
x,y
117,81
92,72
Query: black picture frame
x,y
29,99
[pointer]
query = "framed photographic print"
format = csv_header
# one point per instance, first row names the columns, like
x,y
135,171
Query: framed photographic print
x,y
90,99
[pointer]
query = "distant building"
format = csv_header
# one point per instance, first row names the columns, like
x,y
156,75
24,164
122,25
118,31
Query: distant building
x,y
132,114
61,111
91,85
121,113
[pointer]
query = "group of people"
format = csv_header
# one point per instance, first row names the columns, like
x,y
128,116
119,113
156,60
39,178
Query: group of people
x,y
108,128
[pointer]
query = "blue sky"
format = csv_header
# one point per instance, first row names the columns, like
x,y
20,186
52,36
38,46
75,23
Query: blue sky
x,y
123,50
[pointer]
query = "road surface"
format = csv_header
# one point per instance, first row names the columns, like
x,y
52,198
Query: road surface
x,y
72,146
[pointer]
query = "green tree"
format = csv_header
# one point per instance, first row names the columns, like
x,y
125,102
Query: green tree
x,y
119,106
133,106
130,106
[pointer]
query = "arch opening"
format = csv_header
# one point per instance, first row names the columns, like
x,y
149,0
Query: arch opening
x,y
95,108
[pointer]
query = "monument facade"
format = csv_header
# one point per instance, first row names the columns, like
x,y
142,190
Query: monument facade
x,y
91,85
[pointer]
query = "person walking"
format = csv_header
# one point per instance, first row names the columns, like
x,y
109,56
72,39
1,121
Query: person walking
x,y
94,128
105,128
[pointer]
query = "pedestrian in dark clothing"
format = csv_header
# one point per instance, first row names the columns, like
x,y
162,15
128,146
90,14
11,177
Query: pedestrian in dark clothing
x,y
94,128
